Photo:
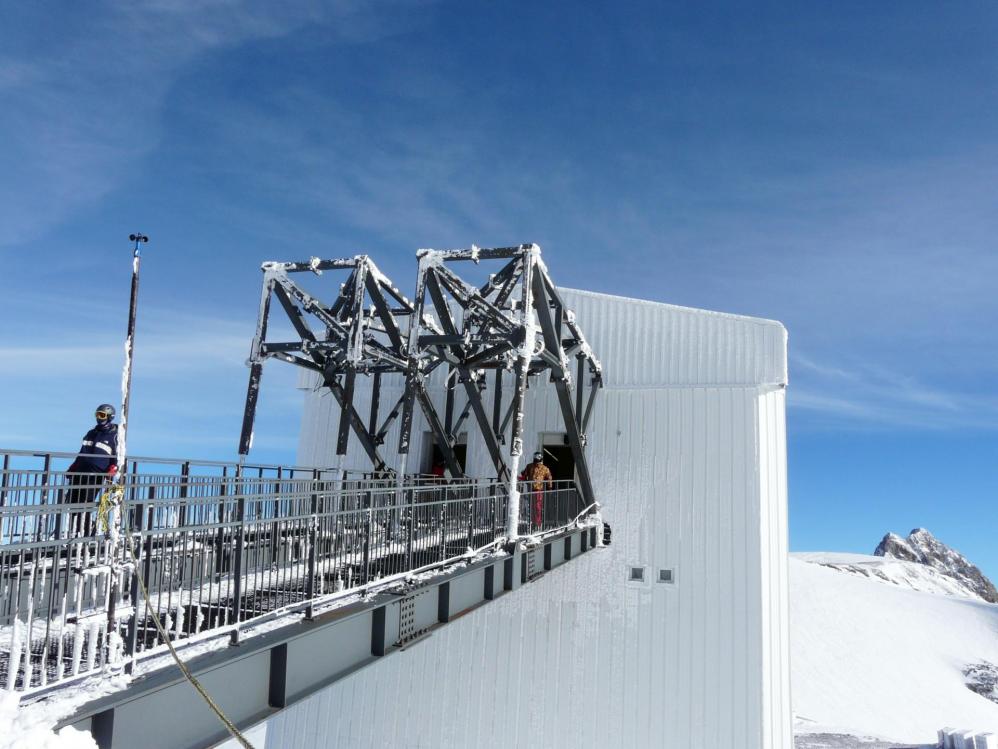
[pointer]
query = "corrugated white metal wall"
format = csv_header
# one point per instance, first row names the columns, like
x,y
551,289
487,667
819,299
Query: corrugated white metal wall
x,y
688,455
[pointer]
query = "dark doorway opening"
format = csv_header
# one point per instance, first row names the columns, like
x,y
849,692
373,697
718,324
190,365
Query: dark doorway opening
x,y
558,457
434,464
563,503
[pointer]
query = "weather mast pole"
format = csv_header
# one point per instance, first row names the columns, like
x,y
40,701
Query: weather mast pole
x,y
126,374
113,639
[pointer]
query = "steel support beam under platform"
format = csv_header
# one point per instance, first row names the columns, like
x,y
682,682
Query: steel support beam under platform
x,y
268,672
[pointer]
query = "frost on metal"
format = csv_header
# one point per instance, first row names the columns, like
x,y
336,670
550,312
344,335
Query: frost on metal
x,y
516,323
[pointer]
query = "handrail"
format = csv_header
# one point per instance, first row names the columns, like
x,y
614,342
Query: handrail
x,y
219,550
177,461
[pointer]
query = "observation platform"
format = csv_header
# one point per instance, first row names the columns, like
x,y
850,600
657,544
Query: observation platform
x,y
272,582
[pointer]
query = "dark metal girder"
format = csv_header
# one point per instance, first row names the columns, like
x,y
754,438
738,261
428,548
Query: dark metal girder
x,y
256,370
477,254
357,423
395,294
471,390
490,354
563,387
344,297
372,424
312,265
343,437
379,438
589,407
503,296
463,417
384,313
364,339
426,341
310,305
294,314
437,430
350,348
500,279
270,348
449,405
497,406
468,297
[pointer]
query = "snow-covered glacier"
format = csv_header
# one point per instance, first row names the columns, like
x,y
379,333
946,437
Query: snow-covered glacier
x,y
882,648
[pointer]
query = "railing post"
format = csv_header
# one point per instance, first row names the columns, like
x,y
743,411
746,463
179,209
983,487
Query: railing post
x,y
312,538
43,500
275,527
237,567
411,536
471,519
220,536
147,562
443,527
185,475
493,507
4,479
133,595
367,538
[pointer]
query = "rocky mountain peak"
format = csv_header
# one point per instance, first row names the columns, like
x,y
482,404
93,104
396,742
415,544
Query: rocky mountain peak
x,y
922,547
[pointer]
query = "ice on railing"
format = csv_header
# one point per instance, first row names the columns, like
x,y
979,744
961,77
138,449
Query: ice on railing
x,y
78,641
360,537
17,639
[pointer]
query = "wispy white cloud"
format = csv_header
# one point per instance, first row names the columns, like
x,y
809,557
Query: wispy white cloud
x,y
879,268
167,344
871,396
83,109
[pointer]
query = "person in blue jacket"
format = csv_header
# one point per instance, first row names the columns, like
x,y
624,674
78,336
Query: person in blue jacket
x,y
97,461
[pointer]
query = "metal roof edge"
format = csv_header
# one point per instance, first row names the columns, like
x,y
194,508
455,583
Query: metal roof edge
x,y
677,307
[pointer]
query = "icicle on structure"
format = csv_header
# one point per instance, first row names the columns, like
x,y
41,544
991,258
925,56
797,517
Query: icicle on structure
x,y
514,325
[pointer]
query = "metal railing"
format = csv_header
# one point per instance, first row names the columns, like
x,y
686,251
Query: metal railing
x,y
216,545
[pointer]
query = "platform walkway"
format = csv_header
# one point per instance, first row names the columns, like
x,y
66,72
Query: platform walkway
x,y
218,547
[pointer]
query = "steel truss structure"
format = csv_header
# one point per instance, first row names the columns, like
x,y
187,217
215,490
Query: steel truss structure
x,y
515,323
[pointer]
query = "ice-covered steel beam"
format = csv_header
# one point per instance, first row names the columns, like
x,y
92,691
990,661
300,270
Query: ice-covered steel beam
x,y
255,363
477,254
315,265
515,322
354,340
467,378
561,378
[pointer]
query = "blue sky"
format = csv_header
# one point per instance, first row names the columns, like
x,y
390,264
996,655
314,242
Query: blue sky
x,y
831,165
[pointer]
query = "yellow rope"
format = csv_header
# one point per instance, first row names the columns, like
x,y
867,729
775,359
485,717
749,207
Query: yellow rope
x,y
107,499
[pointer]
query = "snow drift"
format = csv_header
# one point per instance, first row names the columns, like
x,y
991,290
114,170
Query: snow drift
x,y
885,648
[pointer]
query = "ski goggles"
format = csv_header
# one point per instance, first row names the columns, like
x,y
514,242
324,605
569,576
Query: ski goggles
x,y
103,414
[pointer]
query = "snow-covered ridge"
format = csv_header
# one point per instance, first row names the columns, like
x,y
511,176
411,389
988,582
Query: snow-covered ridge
x,y
921,547
891,571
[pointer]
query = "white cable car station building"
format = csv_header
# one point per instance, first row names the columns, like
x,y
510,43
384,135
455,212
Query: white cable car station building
x,y
676,633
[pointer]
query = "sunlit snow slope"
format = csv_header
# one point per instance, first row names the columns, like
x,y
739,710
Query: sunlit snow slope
x,y
879,646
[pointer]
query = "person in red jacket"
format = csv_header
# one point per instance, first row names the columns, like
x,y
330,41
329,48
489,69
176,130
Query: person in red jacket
x,y
97,461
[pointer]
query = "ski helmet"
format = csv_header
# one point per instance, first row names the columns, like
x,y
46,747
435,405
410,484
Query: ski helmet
x,y
105,413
